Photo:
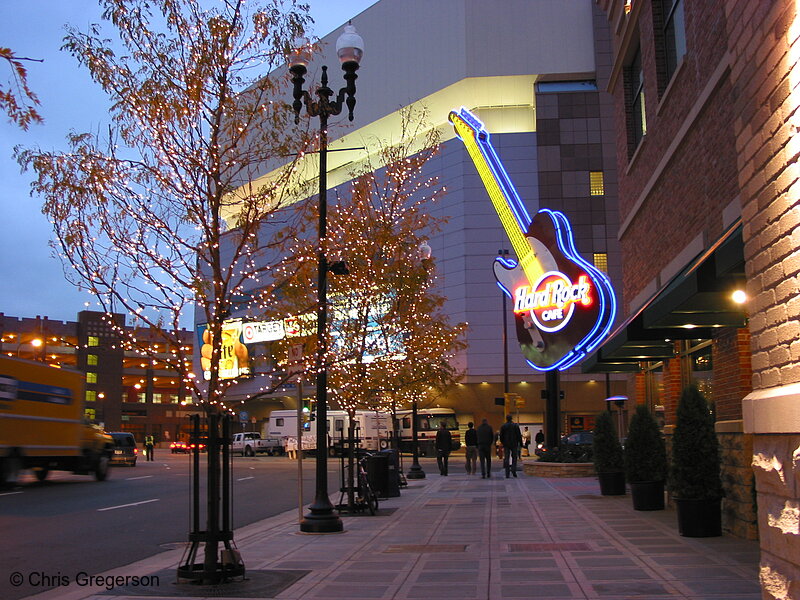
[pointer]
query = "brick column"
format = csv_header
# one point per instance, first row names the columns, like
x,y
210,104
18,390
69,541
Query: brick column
x,y
763,45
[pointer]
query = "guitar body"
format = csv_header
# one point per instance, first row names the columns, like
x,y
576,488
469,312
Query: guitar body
x,y
551,336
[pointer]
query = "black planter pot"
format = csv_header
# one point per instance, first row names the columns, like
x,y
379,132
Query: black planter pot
x,y
699,518
648,495
612,484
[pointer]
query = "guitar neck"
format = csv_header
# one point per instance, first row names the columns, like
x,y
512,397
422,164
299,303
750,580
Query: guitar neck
x,y
501,192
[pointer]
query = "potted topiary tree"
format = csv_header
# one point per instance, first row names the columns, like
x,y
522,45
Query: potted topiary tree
x,y
645,461
607,456
695,480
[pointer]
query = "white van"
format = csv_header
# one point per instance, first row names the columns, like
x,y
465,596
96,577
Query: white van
x,y
371,427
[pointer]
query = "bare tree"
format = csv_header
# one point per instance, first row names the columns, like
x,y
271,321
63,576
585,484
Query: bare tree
x,y
390,340
17,99
164,214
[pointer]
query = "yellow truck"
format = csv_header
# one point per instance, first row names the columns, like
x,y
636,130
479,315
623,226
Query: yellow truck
x,y
42,424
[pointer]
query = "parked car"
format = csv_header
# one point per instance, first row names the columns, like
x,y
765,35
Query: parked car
x,y
577,445
181,447
579,439
251,443
125,450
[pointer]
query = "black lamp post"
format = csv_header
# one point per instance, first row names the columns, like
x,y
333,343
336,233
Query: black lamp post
x,y
350,48
416,472
503,253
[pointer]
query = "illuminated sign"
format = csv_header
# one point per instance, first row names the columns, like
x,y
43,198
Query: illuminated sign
x,y
234,358
551,301
262,331
301,326
563,306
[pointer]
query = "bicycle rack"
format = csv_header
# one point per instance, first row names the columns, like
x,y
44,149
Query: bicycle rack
x,y
343,446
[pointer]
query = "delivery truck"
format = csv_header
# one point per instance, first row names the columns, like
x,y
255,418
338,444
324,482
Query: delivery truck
x,y
42,426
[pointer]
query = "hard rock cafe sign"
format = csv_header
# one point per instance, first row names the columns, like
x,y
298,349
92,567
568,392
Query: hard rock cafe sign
x,y
563,306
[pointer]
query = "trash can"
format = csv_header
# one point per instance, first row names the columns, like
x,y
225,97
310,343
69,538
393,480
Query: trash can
x,y
393,475
377,467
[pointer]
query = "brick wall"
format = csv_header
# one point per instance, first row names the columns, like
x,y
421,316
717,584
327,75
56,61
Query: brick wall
x,y
739,513
673,386
702,171
764,69
732,372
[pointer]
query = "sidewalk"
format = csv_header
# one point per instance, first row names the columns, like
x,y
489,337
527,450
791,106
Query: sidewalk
x,y
470,538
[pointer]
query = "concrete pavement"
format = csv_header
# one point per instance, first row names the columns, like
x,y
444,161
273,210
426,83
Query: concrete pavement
x,y
470,538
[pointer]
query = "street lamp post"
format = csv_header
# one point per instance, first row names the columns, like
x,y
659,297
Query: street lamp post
x,y
415,471
350,49
35,343
503,254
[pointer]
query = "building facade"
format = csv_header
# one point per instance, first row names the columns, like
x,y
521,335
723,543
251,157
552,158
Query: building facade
x,y
125,391
545,104
706,101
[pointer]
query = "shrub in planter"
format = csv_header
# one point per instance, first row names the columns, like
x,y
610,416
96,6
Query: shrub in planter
x,y
695,480
607,456
645,461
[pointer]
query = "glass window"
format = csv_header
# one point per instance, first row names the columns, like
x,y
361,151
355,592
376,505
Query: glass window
x,y
93,341
596,187
156,398
91,360
433,422
544,87
91,378
173,398
654,383
697,366
674,34
90,413
636,104
91,395
141,397
600,260
279,422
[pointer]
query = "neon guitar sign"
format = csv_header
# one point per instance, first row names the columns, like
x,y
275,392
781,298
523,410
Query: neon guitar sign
x,y
563,306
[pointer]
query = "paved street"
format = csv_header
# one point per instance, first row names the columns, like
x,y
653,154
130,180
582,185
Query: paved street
x,y
70,521
472,539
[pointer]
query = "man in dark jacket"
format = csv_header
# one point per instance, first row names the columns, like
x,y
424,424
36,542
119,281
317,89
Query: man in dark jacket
x,y
511,438
444,443
485,435
471,442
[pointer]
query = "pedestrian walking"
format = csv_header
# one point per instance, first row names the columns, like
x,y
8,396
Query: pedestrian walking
x,y
471,442
539,439
444,444
511,438
485,439
526,441
149,444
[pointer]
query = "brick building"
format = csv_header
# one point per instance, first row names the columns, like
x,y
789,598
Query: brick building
x,y
706,109
125,391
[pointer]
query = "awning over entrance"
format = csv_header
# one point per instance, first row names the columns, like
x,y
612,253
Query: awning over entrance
x,y
694,303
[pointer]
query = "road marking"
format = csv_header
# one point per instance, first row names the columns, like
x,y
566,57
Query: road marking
x,y
127,505
243,478
9,493
135,478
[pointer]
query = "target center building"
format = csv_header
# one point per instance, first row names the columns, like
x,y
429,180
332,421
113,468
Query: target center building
x,y
535,74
